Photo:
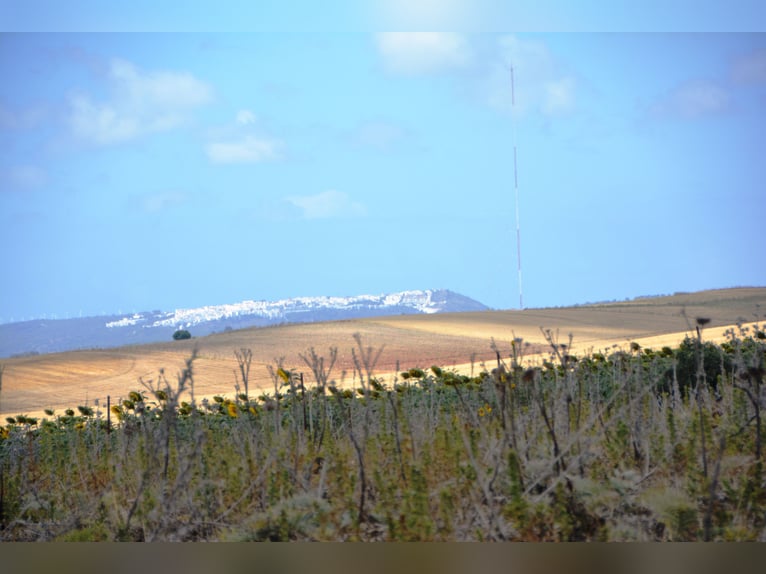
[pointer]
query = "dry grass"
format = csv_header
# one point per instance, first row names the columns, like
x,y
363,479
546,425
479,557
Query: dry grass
x,y
662,445
62,380
598,325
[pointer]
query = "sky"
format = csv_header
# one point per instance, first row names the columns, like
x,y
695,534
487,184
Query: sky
x,y
178,161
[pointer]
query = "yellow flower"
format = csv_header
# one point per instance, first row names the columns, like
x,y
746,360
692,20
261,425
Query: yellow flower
x,y
232,409
482,412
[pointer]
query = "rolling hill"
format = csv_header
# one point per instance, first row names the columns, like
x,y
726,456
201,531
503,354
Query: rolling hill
x,y
51,336
60,380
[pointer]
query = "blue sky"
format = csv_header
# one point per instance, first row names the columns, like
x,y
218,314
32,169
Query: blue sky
x,y
177,169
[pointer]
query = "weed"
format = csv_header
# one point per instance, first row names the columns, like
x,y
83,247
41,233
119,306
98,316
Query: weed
x,y
605,446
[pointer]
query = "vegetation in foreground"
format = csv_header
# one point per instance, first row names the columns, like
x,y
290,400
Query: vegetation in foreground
x,y
639,445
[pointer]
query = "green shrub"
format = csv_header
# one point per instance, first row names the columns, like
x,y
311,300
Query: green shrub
x,y
582,452
181,334
687,358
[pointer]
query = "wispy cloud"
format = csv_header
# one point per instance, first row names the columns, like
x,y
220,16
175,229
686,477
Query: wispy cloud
x,y
327,204
412,53
140,103
692,100
21,117
162,201
241,141
378,134
559,96
249,149
245,117
541,85
750,68
434,14
23,177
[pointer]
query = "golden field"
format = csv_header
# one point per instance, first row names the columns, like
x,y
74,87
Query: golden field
x,y
63,380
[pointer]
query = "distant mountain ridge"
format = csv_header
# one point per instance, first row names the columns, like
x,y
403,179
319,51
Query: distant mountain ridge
x,y
49,336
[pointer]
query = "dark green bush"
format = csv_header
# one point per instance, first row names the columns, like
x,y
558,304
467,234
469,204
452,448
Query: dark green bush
x,y
687,358
181,334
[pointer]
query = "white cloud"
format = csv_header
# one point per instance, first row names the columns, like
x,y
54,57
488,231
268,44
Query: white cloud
x,y
692,100
328,204
418,10
102,124
412,53
21,117
750,68
140,103
540,84
170,90
245,117
559,96
248,149
162,201
26,177
434,14
378,134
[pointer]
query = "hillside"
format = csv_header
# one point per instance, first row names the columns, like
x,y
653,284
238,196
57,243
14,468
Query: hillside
x,y
52,336
33,383
603,324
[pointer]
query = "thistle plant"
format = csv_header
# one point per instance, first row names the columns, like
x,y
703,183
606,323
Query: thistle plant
x,y
608,445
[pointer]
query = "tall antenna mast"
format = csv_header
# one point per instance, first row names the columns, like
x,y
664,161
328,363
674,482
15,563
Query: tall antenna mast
x,y
516,188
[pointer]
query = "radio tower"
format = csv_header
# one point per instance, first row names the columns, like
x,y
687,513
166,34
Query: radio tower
x,y
516,188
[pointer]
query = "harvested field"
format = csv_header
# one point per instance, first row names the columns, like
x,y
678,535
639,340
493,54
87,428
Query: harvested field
x,y
58,381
